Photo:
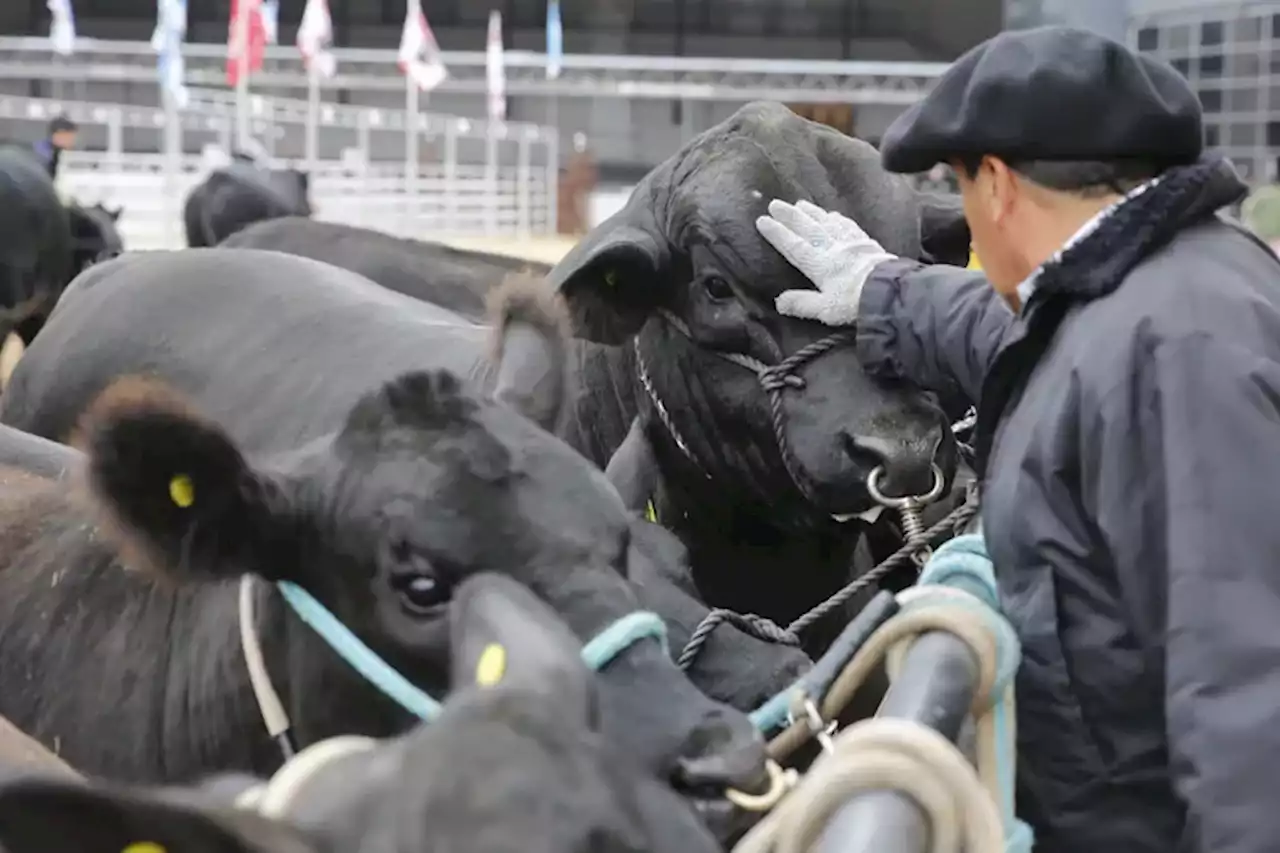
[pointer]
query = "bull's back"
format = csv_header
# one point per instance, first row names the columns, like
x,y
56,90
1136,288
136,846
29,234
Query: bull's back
x,y
275,347
456,279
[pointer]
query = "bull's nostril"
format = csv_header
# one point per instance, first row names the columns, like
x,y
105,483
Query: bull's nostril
x,y
907,468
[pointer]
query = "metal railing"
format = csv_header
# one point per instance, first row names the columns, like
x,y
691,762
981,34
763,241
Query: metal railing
x,y
470,178
582,75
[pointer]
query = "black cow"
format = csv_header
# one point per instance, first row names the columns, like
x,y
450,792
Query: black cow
x,y
733,667
94,236
518,766
240,194
379,513
457,279
35,243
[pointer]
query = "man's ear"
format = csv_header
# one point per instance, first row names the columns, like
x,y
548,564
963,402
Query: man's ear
x,y
44,815
175,490
944,233
612,280
502,634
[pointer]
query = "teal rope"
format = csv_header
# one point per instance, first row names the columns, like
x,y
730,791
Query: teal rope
x,y
963,563
597,653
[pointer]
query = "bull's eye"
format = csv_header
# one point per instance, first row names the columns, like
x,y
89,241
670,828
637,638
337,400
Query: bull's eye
x,y
717,287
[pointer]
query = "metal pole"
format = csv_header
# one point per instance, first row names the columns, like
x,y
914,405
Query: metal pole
x,y
172,153
451,174
411,152
491,176
553,180
242,81
313,119
523,214
934,687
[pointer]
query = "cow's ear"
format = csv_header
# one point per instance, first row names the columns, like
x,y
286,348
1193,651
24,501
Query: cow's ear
x,y
502,634
530,342
944,233
175,491
612,280
41,815
114,212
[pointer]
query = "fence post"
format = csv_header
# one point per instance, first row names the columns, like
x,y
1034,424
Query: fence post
x,y
553,180
523,177
451,174
491,177
172,166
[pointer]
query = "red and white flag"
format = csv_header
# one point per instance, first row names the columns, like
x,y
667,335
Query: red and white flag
x,y
494,69
315,38
256,32
419,56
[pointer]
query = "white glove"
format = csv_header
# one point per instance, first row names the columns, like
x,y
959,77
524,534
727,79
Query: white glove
x,y
831,251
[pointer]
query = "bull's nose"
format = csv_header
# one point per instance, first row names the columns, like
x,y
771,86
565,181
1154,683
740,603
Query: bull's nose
x,y
905,468
726,751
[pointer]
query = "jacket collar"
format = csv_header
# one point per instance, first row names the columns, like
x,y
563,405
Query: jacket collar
x,y
1140,225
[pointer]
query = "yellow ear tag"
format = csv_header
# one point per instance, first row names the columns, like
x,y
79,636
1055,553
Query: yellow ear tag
x,y
611,278
492,665
182,491
144,847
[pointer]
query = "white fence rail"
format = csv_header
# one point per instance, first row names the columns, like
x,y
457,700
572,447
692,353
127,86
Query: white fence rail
x,y
466,180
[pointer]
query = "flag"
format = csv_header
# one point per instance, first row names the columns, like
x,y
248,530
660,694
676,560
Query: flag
x,y
166,41
315,38
419,56
271,20
555,39
493,68
257,37
62,28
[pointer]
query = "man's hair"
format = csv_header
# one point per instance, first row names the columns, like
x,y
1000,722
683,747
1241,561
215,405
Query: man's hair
x,y
1084,178
61,123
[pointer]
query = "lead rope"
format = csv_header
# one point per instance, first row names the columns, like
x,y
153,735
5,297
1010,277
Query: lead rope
x,y
274,716
969,810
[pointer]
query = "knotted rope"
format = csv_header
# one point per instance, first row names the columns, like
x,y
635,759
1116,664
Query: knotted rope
x,y
969,810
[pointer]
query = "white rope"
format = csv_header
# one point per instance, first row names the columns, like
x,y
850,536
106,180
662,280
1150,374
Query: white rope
x,y
274,716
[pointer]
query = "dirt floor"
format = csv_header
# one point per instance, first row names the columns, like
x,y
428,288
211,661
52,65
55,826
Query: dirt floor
x,y
546,249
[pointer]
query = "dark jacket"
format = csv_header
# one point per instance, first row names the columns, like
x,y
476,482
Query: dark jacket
x,y
49,155
1129,441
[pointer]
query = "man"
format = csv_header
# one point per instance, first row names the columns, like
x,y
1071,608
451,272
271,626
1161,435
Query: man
x,y
60,136
1122,344
1261,215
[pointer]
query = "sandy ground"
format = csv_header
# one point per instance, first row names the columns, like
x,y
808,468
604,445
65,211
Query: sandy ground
x,y
546,249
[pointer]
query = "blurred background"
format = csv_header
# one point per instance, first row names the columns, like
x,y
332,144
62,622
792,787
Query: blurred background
x,y
554,142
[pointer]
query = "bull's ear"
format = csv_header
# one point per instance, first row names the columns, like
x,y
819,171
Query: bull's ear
x,y
41,815
944,233
502,634
174,489
612,279
114,213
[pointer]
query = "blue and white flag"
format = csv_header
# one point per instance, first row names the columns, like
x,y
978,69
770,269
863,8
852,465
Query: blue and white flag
x,y
166,41
555,39
62,27
270,12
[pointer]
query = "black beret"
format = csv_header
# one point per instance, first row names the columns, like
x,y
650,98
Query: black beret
x,y
1051,93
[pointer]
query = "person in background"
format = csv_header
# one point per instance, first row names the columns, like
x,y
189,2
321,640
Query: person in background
x,y
1122,345
1261,215
60,136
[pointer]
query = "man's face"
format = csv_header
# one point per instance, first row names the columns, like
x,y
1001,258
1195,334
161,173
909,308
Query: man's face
x,y
991,204
64,139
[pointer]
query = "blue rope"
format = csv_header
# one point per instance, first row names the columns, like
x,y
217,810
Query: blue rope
x,y
962,563
598,653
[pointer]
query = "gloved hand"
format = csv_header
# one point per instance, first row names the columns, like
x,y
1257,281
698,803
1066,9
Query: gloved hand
x,y
830,250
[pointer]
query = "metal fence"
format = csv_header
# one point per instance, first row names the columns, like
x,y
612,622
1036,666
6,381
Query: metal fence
x,y
452,176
